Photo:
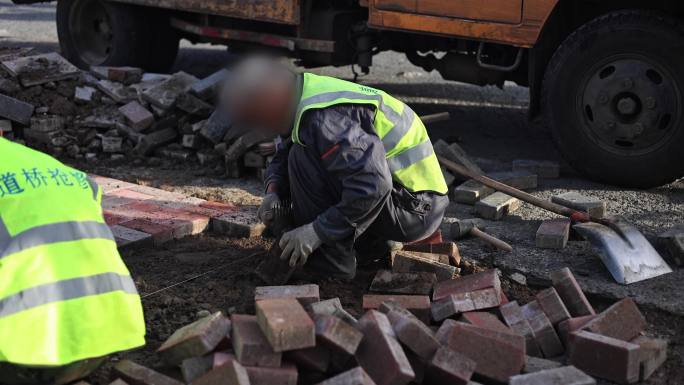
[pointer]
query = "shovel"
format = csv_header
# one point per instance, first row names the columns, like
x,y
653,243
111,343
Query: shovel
x,y
623,249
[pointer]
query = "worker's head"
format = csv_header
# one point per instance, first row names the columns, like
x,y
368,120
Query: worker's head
x,y
260,95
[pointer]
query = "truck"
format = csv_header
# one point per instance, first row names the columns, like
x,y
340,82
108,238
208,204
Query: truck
x,y
605,76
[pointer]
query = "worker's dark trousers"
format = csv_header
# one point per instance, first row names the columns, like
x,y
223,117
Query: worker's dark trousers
x,y
405,216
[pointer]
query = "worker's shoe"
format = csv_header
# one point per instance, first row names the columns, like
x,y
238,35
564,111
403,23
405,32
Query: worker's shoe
x,y
336,260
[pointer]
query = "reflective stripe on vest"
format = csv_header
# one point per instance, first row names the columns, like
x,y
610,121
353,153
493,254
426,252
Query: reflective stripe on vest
x,y
51,233
65,290
403,136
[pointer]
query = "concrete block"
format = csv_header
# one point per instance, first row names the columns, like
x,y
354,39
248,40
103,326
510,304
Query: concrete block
x,y
84,94
286,324
337,334
250,344
513,316
332,307
536,364
380,354
543,168
206,88
571,293
285,375
136,374
470,191
552,305
595,207
566,375
216,126
652,354
419,305
448,367
450,249
305,294
565,328
544,333
137,116
553,233
522,180
496,206
193,105
415,335
403,283
356,376
165,93
622,320
112,144
407,262
195,339
40,69
150,142
230,373
498,356
47,123
315,359
125,75
117,91
605,357
673,241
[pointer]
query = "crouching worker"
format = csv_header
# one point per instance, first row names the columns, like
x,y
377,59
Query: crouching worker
x,y
356,163
66,297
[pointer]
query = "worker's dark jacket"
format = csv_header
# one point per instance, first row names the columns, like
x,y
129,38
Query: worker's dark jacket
x,y
341,182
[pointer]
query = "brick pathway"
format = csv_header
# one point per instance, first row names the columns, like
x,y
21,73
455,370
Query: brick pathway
x,y
145,216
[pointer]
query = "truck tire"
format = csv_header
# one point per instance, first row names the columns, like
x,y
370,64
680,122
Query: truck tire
x,y
613,96
102,33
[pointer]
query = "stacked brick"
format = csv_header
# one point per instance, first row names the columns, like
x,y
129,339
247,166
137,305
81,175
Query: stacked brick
x,y
111,113
144,216
463,331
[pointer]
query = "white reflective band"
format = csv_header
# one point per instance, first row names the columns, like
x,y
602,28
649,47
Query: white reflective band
x,y
401,123
400,129
65,290
52,233
410,156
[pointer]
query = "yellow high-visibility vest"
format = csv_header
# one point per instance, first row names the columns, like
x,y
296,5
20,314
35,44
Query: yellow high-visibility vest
x,y
65,293
408,150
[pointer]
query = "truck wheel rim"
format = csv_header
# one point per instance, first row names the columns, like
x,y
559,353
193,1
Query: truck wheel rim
x,y
91,31
629,104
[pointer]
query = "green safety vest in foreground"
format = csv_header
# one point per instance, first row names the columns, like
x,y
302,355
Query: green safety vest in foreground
x,y
408,150
65,293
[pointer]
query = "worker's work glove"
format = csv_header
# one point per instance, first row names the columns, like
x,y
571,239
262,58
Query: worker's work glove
x,y
298,244
266,211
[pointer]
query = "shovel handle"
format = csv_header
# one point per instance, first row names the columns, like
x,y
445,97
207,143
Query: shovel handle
x,y
577,216
492,240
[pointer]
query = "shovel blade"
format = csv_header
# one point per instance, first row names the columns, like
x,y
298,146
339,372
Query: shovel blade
x,y
624,250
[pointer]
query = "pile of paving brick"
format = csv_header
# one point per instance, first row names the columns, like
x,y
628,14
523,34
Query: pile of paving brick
x,y
466,331
114,112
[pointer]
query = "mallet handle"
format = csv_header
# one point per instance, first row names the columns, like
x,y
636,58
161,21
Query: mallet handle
x,y
496,242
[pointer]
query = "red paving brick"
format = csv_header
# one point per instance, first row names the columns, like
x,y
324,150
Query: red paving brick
x,y
232,373
195,339
306,294
250,344
136,374
419,305
552,305
515,319
356,376
486,280
571,293
605,357
568,326
285,375
380,354
544,333
160,233
410,331
317,359
652,354
623,321
448,367
337,334
497,355
486,321
286,324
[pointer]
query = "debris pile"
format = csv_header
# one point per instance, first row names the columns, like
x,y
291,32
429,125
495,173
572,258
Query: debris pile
x,y
118,112
421,326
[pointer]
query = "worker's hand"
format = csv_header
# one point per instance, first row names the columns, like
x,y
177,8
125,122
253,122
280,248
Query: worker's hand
x,y
266,212
298,244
